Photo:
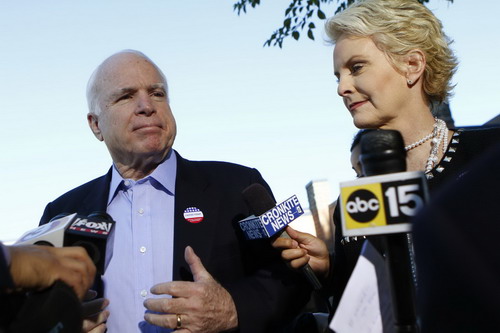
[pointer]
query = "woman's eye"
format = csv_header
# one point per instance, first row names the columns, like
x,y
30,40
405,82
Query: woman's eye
x,y
356,67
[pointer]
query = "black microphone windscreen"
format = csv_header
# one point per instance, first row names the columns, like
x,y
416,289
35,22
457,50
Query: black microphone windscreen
x,y
379,141
258,199
382,152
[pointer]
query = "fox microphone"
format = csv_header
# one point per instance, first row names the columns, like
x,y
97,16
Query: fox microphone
x,y
95,233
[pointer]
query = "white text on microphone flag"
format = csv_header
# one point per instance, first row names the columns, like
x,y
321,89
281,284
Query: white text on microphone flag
x,y
272,221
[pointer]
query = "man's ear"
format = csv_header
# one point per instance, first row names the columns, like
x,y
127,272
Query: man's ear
x,y
415,63
94,126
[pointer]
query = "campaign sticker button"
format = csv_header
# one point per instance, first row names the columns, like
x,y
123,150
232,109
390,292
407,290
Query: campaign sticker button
x,y
193,215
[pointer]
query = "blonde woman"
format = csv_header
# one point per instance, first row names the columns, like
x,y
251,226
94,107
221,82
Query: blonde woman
x,y
392,61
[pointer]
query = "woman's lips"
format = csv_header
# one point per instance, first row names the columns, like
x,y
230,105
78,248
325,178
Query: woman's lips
x,y
355,105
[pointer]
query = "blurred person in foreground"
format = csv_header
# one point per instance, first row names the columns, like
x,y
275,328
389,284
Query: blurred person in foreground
x,y
392,61
30,279
179,259
458,262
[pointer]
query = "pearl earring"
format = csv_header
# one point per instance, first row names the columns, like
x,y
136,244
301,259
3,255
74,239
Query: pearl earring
x,y
410,81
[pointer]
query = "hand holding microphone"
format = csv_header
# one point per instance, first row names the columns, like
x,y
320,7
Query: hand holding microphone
x,y
70,248
303,248
39,267
48,284
267,213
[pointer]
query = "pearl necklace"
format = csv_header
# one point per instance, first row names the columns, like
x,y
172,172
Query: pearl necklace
x,y
439,135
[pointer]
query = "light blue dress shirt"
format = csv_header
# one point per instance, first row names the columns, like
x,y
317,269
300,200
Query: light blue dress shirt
x,y
143,244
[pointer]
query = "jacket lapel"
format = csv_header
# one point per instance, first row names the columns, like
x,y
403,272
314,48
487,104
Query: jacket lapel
x,y
96,199
193,190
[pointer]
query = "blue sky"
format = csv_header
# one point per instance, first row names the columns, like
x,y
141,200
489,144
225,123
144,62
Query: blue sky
x,y
234,100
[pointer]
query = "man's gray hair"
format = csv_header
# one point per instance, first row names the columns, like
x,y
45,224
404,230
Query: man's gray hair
x,y
93,86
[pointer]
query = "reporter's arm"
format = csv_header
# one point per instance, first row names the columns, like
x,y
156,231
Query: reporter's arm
x,y
38,267
5,278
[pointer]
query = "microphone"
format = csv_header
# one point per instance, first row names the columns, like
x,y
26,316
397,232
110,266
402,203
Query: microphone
x,y
383,203
388,197
270,219
94,232
382,152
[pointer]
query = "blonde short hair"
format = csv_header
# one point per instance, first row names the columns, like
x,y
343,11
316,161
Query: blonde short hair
x,y
397,27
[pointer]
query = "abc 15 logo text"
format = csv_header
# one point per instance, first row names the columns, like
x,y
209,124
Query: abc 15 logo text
x,y
382,202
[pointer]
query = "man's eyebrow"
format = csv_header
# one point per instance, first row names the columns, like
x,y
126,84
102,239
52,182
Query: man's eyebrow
x,y
157,86
122,91
129,90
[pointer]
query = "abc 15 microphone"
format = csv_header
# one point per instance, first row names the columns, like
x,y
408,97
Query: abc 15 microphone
x,y
388,197
382,204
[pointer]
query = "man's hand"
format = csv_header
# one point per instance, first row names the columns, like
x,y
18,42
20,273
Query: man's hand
x,y
94,313
203,305
38,267
302,248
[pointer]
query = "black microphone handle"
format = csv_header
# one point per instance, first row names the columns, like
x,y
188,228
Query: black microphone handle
x,y
383,152
307,270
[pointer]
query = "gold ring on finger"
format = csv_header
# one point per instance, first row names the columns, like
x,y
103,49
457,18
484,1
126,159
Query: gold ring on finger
x,y
179,322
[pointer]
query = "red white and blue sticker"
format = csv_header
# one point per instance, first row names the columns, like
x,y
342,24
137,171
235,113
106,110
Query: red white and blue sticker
x,y
193,215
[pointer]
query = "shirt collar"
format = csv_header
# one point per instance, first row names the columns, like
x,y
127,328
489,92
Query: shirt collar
x,y
164,175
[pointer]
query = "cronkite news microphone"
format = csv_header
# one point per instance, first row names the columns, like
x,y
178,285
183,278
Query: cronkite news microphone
x,y
95,233
383,203
270,219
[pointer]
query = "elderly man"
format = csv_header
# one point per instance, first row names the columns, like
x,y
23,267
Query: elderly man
x,y
167,208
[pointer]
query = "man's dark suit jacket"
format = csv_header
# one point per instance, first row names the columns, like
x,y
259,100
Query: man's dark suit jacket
x,y
265,292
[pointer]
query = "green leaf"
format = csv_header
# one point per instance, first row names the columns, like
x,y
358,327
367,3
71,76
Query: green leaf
x,y
311,25
296,35
321,15
310,34
286,23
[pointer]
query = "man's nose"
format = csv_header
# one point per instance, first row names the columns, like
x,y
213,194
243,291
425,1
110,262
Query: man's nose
x,y
145,104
